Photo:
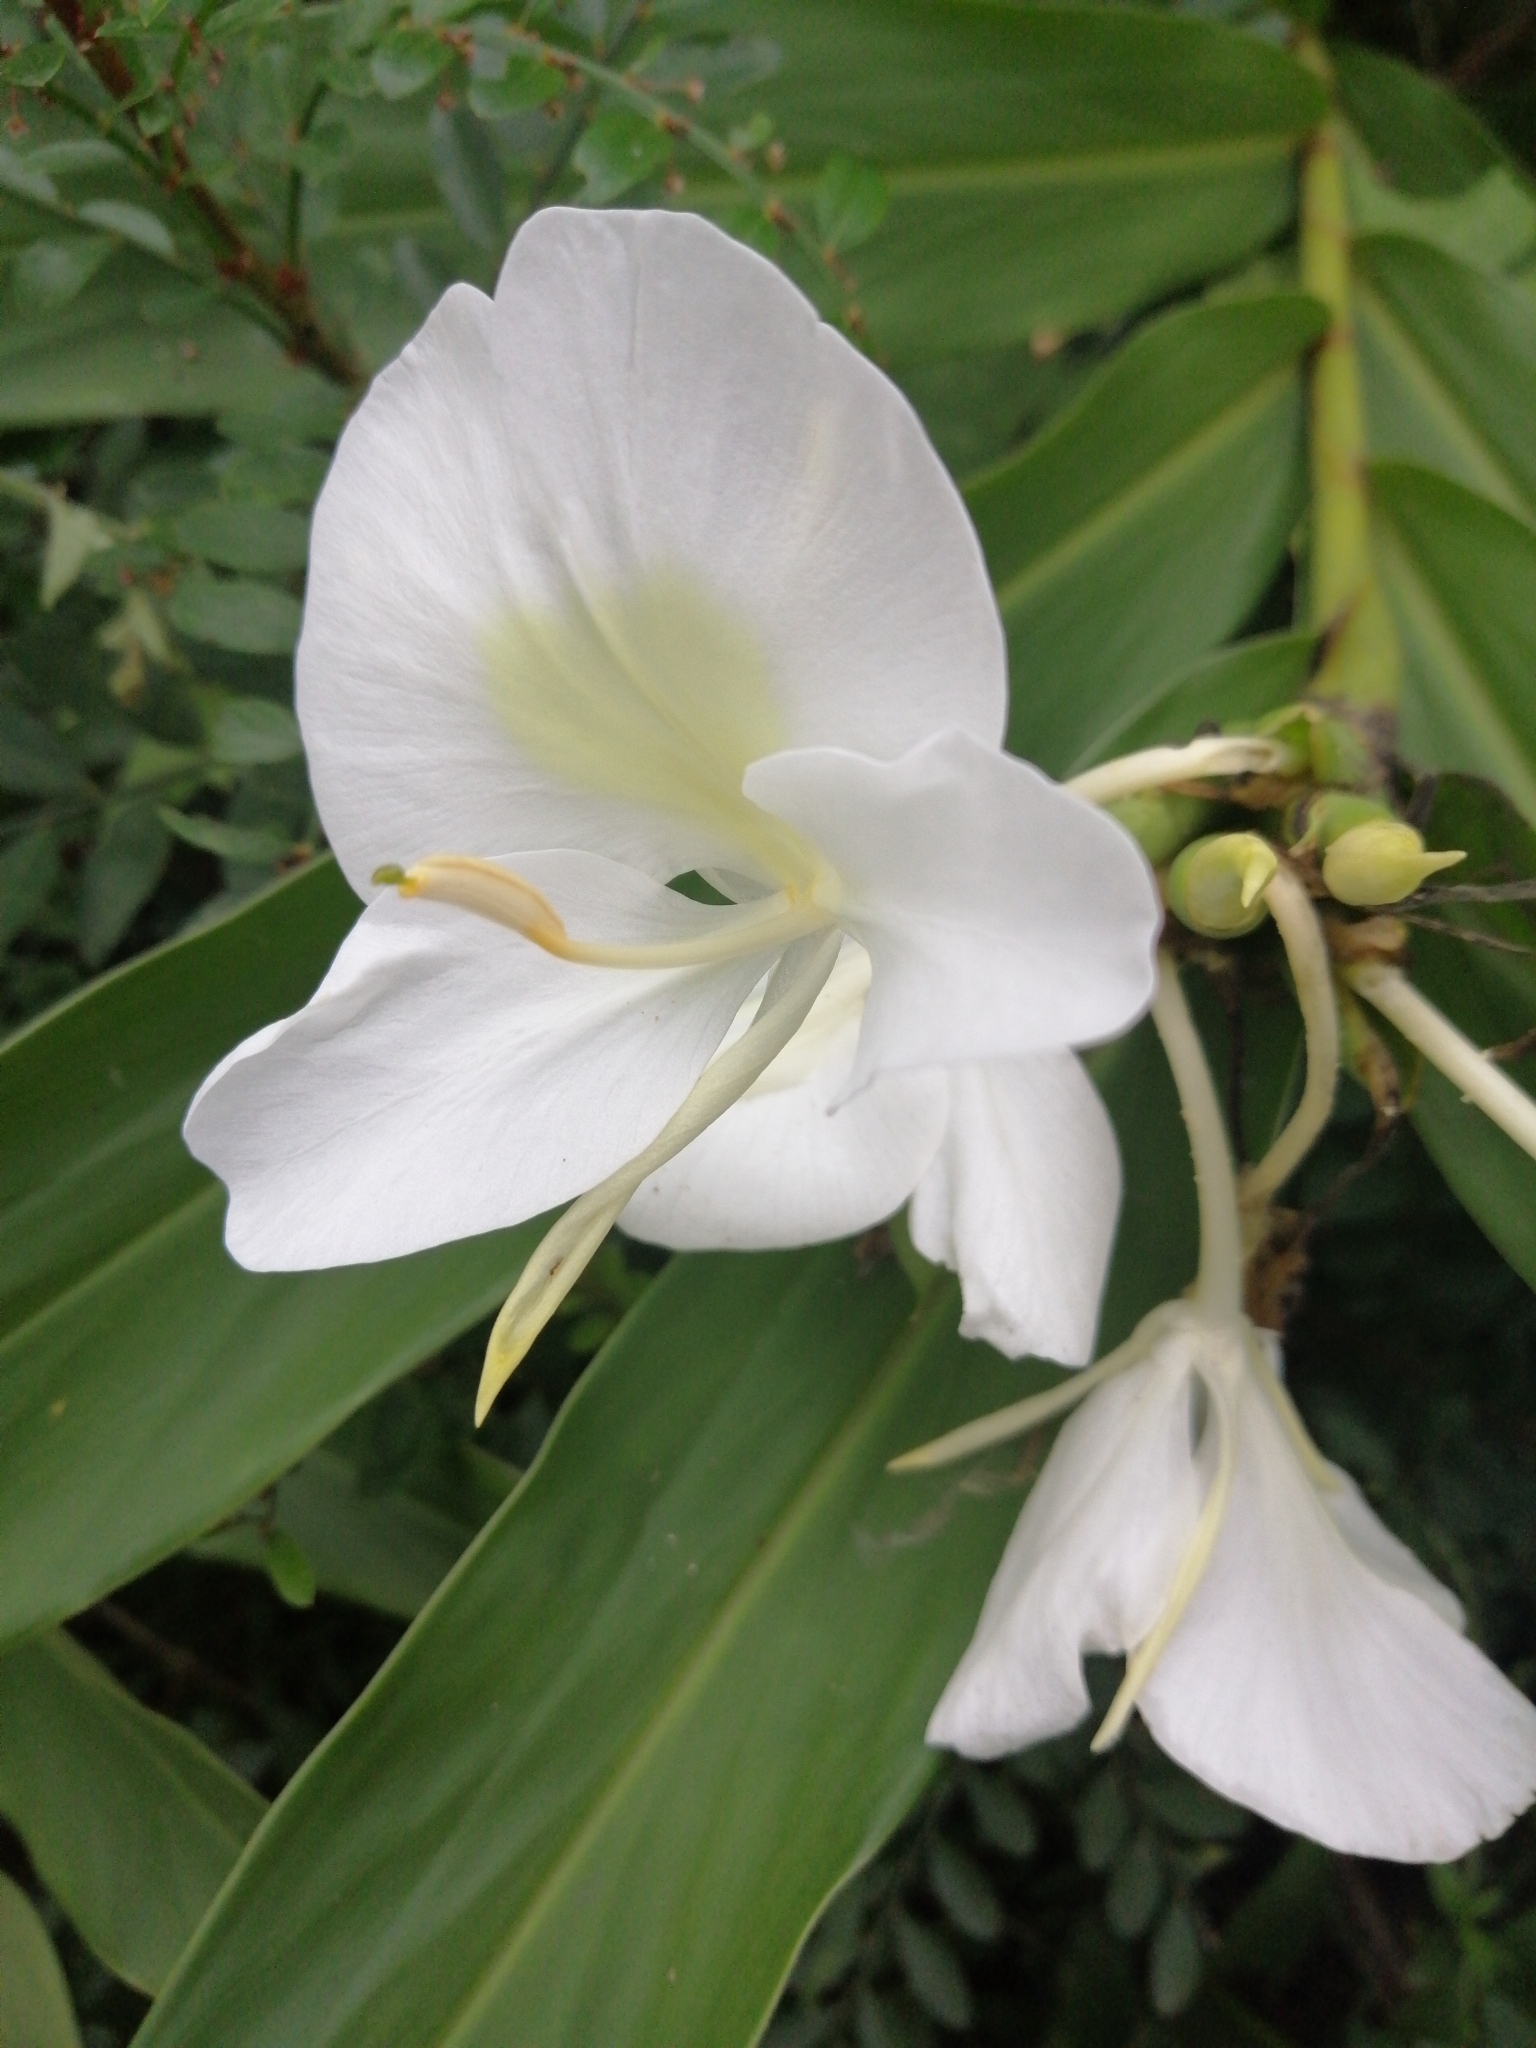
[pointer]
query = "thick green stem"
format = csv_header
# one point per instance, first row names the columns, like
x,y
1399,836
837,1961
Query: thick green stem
x,y
1363,662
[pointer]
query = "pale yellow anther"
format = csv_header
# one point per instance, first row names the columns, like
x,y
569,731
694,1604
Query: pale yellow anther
x,y
494,892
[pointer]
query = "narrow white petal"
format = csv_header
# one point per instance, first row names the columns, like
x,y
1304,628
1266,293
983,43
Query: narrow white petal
x,y
1002,915
1088,1565
1021,1201
448,1077
648,439
1310,1680
782,1166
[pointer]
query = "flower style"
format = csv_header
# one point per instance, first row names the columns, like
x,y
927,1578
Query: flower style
x,y
1281,1644
639,570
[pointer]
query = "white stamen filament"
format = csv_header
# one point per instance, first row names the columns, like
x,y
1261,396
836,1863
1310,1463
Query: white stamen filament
x,y
1225,1394
1158,767
1306,948
495,893
1022,1416
1480,1081
562,1257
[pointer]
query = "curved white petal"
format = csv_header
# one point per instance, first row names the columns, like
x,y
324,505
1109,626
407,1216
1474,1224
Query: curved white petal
x,y
646,406
448,1077
1088,1565
1021,1201
1002,915
1309,1683
783,1166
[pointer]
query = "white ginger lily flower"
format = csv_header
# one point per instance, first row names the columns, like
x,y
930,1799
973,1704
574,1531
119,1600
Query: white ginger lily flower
x,y
1281,1644
635,570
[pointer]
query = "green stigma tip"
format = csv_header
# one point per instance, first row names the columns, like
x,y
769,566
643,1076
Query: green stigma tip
x,y
389,876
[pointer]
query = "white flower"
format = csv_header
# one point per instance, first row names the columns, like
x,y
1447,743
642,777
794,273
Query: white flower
x,y
635,570
1283,1646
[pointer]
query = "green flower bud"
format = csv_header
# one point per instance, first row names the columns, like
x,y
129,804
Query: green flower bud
x,y
1160,821
1333,812
1292,726
1216,886
1380,861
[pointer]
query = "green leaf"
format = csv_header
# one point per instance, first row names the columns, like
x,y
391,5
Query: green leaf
x,y
25,179
1135,1889
1491,225
49,274
258,538
469,174
134,223
1459,573
246,617
384,1550
1427,140
933,1972
131,1823
1236,685
964,1890
1173,1962
406,61
1448,358
1489,993
33,66
728,1643
32,761
250,845
29,867
289,1569
75,533
35,2011
851,201
249,732
620,150
121,873
525,83
148,1386
1143,524
1048,168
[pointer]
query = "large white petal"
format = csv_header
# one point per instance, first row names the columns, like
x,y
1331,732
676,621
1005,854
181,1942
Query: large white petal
x,y
1002,914
1088,1565
645,399
783,1166
1021,1200
1329,1695
448,1077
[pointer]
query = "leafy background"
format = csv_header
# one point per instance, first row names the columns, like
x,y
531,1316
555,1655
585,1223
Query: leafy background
x,y
673,1695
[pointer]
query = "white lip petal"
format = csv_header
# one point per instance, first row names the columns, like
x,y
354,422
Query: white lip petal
x,y
1088,1566
645,399
781,1167
1021,1200
449,1077
1309,1683
1003,915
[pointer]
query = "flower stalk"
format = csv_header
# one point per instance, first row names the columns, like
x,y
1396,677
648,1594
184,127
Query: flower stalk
x,y
1388,990
1306,948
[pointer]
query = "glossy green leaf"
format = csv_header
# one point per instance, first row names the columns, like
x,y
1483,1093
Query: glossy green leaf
x,y
121,873
148,1386
130,1822
234,612
33,65
245,732
261,539
1426,139
35,2011
619,151
124,346
33,760
1460,573
1048,168
254,845
469,174
518,84
135,224
1235,685
1448,357
406,61
1489,993
1142,525
48,274
1491,225
729,1625
384,1550
29,867
851,202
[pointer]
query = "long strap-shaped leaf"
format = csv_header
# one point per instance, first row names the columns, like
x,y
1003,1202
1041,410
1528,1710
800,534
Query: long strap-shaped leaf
x,y
674,1692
